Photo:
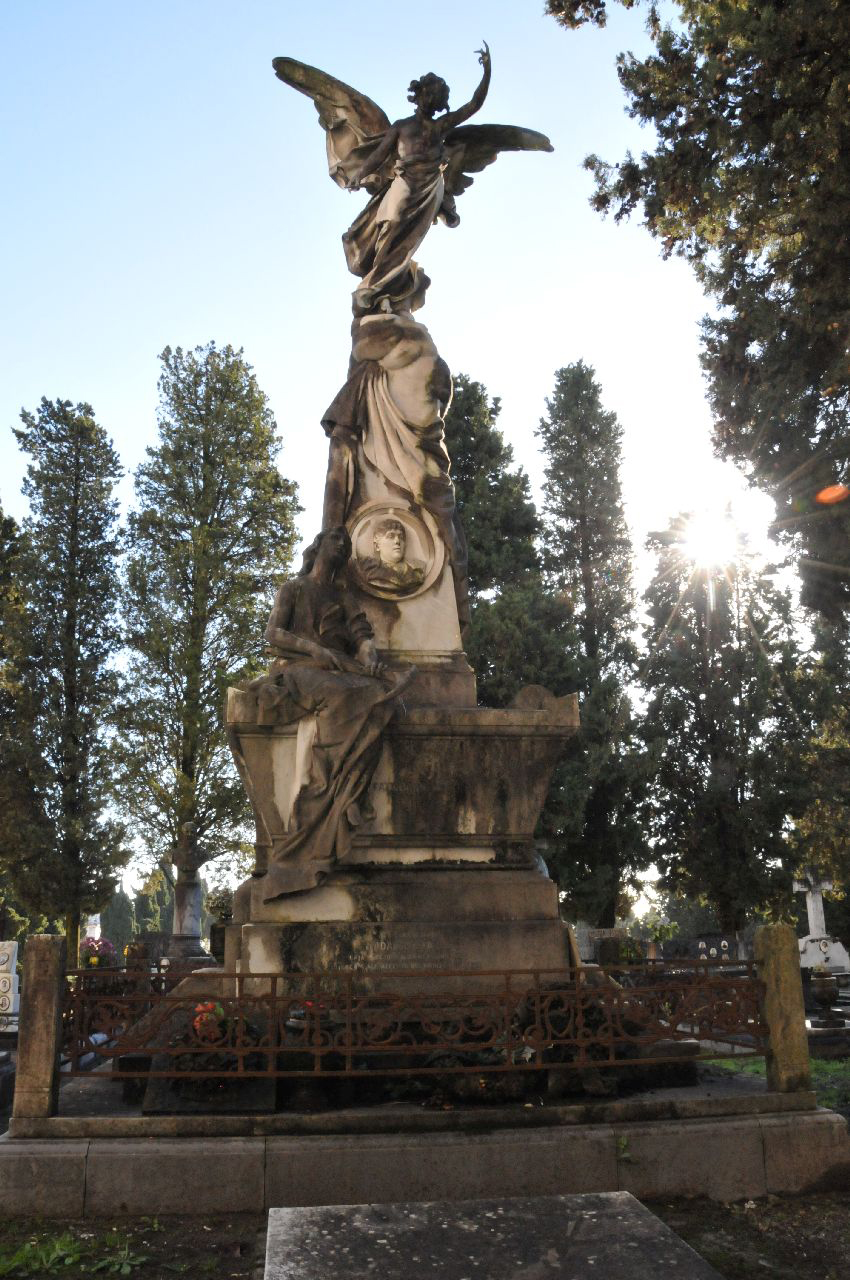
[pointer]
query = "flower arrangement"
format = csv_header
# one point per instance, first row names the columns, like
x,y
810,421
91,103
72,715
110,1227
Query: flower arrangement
x,y
209,1020
97,953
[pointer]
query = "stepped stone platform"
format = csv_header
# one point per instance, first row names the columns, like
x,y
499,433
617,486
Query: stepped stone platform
x,y
728,1139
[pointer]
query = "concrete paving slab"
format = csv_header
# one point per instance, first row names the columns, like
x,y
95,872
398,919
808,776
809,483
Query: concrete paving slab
x,y
578,1237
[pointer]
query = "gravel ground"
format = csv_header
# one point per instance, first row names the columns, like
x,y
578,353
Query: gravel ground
x,y
794,1238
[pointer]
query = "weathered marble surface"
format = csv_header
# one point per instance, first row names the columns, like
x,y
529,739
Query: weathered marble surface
x,y
387,459
385,425
575,1237
327,684
457,778
431,785
470,915
413,169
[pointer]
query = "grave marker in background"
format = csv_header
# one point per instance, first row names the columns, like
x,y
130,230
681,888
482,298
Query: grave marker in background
x,y
9,993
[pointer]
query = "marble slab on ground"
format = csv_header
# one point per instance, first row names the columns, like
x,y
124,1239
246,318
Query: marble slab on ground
x,y
611,1235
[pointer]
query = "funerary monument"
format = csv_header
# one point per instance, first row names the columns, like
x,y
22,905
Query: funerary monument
x,y
394,817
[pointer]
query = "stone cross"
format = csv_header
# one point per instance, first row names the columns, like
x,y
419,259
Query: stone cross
x,y
814,888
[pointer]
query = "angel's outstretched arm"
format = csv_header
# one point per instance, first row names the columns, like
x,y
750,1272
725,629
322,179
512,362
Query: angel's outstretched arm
x,y
382,152
453,118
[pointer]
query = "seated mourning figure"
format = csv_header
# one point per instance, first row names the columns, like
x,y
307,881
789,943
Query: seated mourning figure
x,y
327,677
389,569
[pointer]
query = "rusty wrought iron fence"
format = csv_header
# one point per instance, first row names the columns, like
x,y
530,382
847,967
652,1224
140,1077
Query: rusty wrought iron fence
x,y
404,1024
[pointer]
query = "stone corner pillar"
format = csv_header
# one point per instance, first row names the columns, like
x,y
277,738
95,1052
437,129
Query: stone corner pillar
x,y
40,1029
777,956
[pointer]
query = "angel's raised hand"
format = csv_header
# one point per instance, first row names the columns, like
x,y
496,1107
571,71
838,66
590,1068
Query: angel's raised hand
x,y
484,54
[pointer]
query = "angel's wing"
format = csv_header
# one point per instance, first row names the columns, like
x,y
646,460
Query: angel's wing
x,y
471,147
354,124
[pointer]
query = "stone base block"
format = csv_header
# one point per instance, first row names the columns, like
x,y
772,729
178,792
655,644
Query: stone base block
x,y
815,1154
672,1159
448,778
429,893
175,1176
382,1169
43,1178
445,680
430,918
404,945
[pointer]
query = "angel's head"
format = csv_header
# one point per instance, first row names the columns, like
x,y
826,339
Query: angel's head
x,y
430,94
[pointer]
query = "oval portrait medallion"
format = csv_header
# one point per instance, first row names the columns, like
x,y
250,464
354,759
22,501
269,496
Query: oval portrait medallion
x,y
394,553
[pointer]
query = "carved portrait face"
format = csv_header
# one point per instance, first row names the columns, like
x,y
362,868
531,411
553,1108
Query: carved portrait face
x,y
390,542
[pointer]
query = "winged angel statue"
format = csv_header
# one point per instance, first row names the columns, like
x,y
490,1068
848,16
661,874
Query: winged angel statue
x,y
413,169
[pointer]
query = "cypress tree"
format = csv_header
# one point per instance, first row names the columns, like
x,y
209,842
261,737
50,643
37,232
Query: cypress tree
x,y
61,645
212,531
820,834
118,921
592,819
493,498
728,720
519,633
23,826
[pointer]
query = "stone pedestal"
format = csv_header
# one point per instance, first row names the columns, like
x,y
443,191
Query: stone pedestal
x,y
380,920
185,944
443,875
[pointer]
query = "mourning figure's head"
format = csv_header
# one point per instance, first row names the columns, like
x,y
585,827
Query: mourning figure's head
x,y
333,545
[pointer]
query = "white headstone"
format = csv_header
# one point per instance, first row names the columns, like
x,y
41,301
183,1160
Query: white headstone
x,y
825,953
584,940
92,927
818,949
9,997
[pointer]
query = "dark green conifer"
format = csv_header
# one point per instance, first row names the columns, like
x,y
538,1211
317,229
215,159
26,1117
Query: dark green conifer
x,y
593,821
729,716
61,645
212,532
748,179
520,634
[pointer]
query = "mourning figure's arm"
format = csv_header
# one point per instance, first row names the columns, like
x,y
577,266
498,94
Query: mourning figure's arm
x,y
453,118
289,643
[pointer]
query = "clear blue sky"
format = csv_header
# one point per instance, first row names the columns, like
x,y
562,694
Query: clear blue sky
x,y
162,187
